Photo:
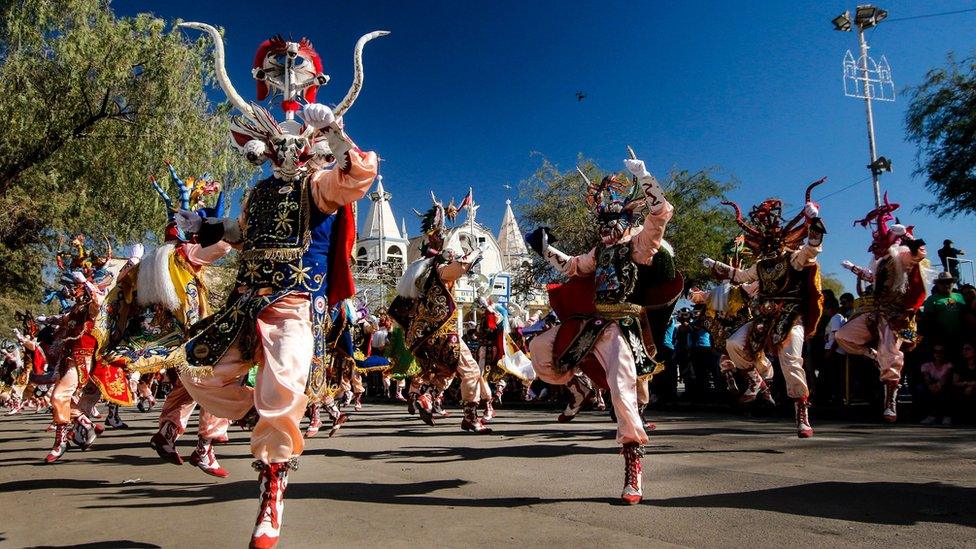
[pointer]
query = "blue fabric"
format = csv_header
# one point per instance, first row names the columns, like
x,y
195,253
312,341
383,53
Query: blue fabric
x,y
669,334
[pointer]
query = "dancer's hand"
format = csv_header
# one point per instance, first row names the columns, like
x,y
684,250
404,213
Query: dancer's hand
x,y
135,256
318,115
811,210
636,167
708,262
847,265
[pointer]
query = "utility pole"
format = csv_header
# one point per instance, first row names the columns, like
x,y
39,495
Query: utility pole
x,y
865,79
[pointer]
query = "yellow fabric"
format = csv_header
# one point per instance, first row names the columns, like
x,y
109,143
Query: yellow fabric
x,y
182,274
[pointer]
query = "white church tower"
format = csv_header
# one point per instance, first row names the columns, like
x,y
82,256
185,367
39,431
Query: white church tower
x,y
511,243
380,240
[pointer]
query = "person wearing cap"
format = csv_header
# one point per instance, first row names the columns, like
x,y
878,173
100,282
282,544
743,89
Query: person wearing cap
x,y
944,311
948,255
897,296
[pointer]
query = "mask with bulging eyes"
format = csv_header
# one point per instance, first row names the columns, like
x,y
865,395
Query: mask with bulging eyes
x,y
614,221
290,154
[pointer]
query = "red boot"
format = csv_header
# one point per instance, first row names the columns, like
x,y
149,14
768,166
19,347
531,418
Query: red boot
x,y
204,458
60,443
272,480
471,421
579,394
890,414
488,411
164,442
803,429
633,471
425,407
84,432
316,421
757,385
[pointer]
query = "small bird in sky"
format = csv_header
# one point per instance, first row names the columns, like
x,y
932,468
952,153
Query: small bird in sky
x,y
580,96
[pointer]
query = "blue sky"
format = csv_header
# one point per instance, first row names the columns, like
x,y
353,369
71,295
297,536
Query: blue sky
x,y
463,93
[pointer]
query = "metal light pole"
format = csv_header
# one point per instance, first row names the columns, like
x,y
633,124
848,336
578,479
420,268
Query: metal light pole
x,y
868,80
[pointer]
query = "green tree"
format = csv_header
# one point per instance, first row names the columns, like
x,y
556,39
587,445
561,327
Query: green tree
x,y
830,281
92,104
700,227
942,120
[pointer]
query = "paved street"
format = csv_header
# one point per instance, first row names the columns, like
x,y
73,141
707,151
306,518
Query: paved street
x,y
387,480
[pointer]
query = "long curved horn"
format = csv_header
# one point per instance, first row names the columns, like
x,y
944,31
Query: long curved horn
x,y
800,216
742,223
220,69
589,184
811,186
357,81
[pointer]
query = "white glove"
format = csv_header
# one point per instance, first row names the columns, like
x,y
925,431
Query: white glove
x,y
708,262
318,115
135,256
811,210
847,265
41,318
188,222
18,335
898,229
483,247
636,167
78,277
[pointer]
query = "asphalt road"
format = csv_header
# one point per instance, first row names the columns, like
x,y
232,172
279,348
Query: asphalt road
x,y
387,480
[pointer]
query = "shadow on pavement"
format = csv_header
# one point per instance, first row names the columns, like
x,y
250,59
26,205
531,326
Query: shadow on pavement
x,y
896,503
414,493
102,544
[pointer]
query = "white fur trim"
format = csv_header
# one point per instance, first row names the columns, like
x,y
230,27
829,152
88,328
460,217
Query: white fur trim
x,y
154,285
408,284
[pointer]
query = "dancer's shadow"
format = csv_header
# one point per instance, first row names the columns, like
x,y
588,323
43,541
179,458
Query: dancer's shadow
x,y
102,545
30,485
896,503
415,493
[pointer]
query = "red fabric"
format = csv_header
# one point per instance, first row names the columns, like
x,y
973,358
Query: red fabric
x,y
341,284
915,295
262,52
111,380
291,106
575,297
40,362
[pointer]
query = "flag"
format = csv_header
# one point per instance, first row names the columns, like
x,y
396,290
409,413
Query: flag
x,y
468,199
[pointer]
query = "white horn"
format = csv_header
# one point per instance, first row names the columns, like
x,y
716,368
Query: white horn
x,y
220,69
587,179
357,81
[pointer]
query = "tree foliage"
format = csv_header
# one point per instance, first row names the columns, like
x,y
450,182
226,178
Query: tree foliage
x,y
942,120
92,104
700,227
830,281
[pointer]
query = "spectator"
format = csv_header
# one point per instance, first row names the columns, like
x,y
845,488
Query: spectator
x,y
948,255
968,292
846,304
830,372
703,359
943,311
934,391
964,384
665,384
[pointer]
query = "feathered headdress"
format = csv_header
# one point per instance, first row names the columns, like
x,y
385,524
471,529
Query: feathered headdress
x,y
434,226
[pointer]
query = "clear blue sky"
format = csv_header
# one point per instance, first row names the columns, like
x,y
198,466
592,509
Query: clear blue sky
x,y
462,93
